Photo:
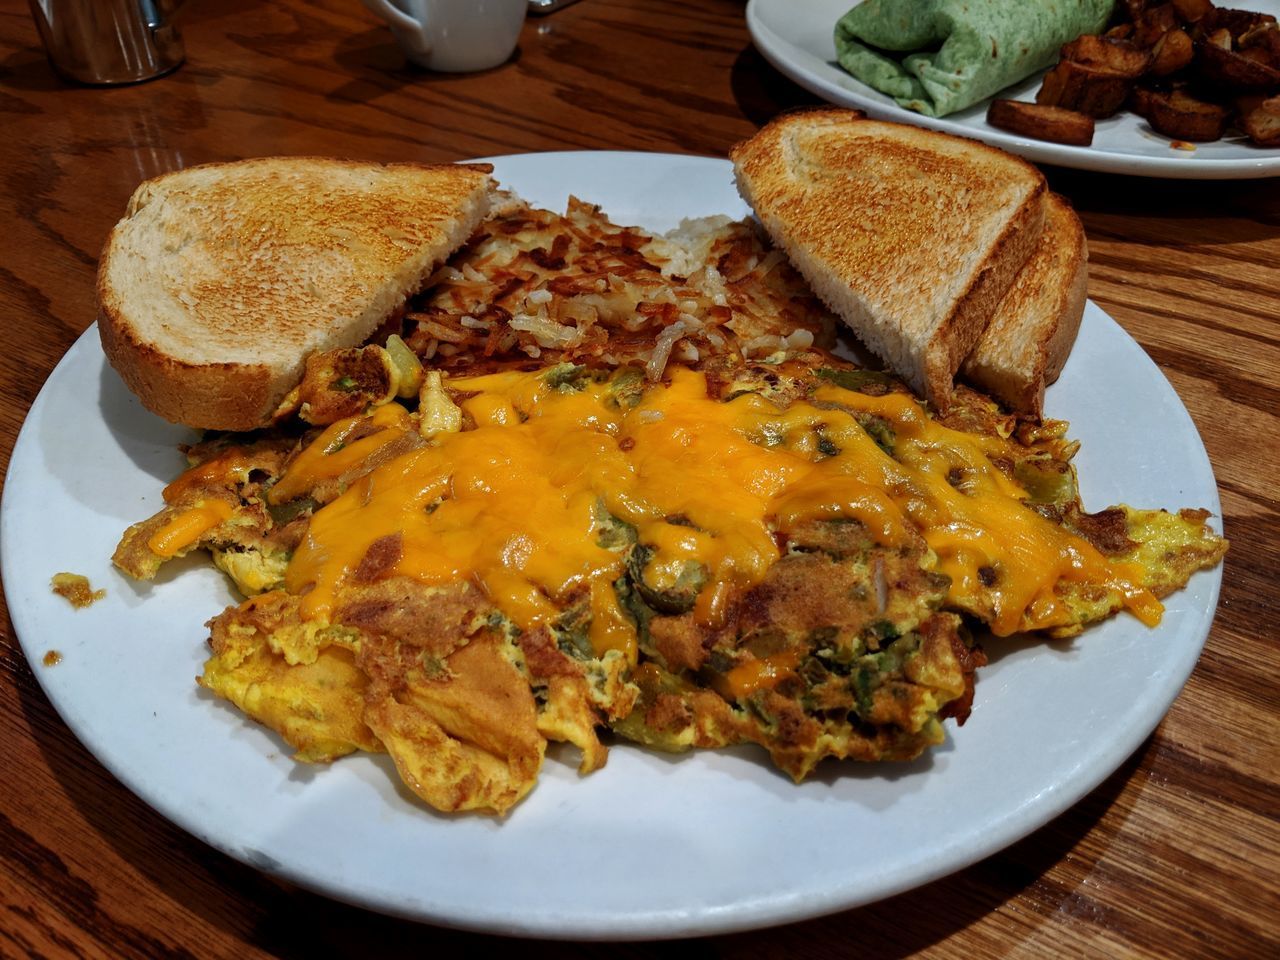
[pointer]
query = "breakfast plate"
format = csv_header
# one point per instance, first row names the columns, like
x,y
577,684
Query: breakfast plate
x,y
796,36
653,845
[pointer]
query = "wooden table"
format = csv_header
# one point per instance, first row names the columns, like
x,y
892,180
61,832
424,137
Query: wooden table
x,y
1175,855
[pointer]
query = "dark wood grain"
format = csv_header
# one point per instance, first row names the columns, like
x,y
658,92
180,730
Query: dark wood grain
x,y
1175,855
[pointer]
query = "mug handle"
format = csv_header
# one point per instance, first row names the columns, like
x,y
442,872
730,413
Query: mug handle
x,y
398,17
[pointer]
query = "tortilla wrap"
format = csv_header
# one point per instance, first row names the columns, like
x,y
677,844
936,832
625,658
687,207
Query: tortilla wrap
x,y
958,52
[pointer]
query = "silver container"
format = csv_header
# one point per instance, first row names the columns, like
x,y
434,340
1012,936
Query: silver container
x,y
109,41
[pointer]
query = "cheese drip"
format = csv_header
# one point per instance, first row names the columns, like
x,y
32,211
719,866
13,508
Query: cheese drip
x,y
514,503
188,526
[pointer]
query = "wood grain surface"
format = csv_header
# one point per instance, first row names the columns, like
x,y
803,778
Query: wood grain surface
x,y
1175,855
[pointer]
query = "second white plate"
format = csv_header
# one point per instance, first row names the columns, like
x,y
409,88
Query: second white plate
x,y
796,36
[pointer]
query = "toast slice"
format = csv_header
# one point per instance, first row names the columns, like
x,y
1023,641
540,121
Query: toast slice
x,y
1026,343
222,278
912,237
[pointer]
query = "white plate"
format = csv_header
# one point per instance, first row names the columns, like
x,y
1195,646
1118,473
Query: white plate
x,y
796,36
652,845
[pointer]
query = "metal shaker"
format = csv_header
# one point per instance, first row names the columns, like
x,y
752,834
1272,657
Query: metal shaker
x,y
109,41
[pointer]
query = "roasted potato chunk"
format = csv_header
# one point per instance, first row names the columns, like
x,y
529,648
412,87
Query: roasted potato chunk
x,y
1093,76
1232,72
1042,122
1083,89
1191,11
1259,118
1118,57
1153,24
1172,52
1181,116
1133,9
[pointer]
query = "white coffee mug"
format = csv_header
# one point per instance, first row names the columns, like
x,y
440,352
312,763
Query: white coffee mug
x,y
454,36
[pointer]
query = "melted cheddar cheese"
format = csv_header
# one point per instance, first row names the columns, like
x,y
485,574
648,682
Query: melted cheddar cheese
x,y
187,526
762,674
513,504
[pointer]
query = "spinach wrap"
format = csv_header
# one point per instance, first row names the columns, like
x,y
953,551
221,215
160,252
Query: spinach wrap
x,y
940,56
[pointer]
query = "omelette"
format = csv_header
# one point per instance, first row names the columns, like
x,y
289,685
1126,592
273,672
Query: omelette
x,y
603,484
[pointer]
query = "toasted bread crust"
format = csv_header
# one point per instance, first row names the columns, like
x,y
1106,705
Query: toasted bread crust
x,y
222,278
958,334
1034,326
217,396
911,236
